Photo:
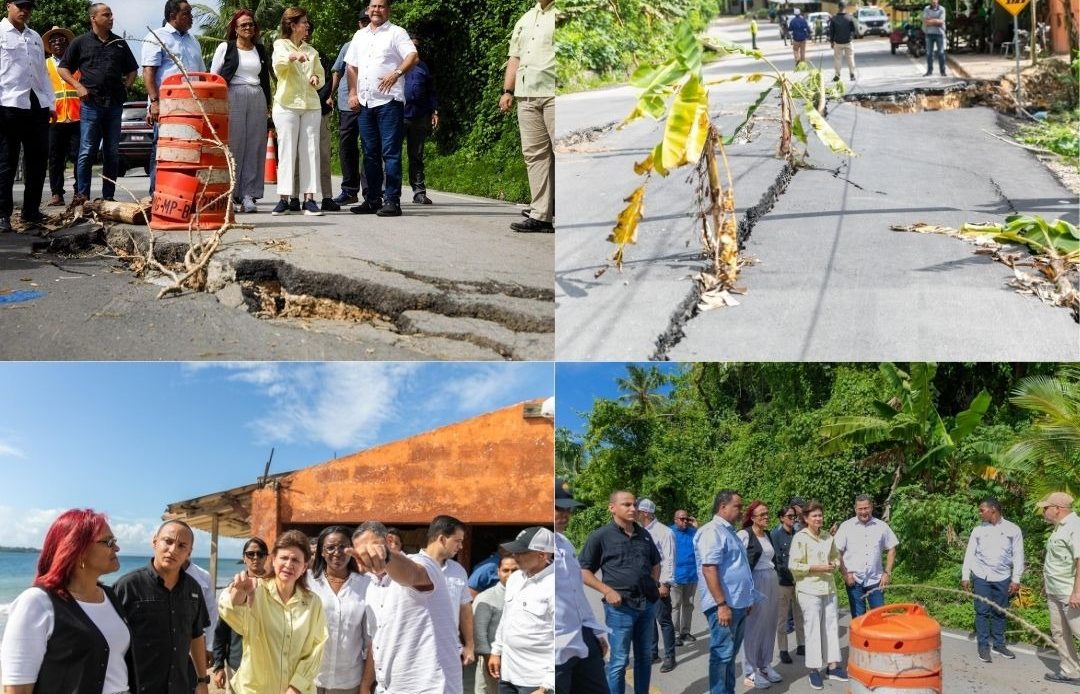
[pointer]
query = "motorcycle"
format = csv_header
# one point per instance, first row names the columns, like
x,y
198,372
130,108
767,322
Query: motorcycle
x,y
907,34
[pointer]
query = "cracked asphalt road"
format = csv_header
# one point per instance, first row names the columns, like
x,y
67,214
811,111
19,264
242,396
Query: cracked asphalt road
x,y
832,282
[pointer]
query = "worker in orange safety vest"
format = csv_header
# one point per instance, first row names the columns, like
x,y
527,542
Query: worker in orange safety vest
x,y
64,129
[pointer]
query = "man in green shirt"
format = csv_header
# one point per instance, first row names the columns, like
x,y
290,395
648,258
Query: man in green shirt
x,y
530,80
1061,572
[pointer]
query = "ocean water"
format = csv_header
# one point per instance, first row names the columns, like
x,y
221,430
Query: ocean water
x,y
17,571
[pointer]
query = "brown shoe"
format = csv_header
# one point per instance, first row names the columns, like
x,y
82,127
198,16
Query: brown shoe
x,y
56,200
78,200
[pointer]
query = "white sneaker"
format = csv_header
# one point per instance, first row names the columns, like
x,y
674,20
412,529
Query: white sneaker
x,y
757,681
249,205
772,675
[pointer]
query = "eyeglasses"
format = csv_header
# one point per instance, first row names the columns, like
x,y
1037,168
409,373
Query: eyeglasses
x,y
789,515
109,542
335,549
247,25
761,515
682,518
255,555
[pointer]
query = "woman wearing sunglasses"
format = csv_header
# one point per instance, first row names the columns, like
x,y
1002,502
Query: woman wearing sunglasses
x,y
242,61
760,634
68,633
281,621
337,580
228,646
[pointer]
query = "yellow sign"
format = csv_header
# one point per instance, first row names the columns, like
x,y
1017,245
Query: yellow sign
x,y
1013,7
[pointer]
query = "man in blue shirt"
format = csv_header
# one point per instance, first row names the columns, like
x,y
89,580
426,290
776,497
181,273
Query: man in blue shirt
x,y
682,592
485,574
353,181
726,588
421,117
157,65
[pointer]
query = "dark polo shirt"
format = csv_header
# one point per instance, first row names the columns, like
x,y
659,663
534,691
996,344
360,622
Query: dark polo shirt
x,y
163,624
103,65
625,560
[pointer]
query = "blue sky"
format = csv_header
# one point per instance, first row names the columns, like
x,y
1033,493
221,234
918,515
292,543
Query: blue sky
x,y
129,438
578,384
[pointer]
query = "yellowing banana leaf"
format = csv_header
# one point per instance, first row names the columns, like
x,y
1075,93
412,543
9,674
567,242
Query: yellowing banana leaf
x,y
687,47
652,106
648,77
729,48
825,132
749,114
797,129
645,165
658,159
721,80
687,126
625,231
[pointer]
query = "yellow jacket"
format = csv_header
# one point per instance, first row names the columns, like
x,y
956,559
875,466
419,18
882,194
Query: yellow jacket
x,y
807,551
283,642
293,88
67,99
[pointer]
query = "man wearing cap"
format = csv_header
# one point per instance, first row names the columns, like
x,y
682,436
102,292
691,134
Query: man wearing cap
x,y
521,653
353,181
64,129
26,103
861,540
682,590
995,562
630,563
1061,576
377,61
580,639
800,32
175,36
100,66
664,540
530,80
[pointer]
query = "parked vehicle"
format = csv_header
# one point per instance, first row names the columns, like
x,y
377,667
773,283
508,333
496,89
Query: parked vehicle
x,y
819,25
871,20
908,33
136,138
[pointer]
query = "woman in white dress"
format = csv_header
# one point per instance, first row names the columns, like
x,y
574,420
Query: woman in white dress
x,y
759,638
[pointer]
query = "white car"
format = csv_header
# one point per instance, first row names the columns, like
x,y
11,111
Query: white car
x,y
824,17
871,20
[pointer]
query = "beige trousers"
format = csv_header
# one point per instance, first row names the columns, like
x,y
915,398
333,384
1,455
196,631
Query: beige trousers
x,y
843,52
822,625
324,161
1065,629
787,599
799,48
483,682
536,122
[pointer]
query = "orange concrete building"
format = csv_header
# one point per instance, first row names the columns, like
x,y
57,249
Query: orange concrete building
x,y
494,472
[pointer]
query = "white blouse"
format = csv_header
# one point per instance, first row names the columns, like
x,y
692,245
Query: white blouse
x,y
247,72
765,562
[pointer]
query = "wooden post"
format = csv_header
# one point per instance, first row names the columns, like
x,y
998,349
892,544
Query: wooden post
x,y
1034,36
214,551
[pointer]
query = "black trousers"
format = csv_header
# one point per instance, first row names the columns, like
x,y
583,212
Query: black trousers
x,y
349,150
26,129
583,675
64,141
667,628
416,134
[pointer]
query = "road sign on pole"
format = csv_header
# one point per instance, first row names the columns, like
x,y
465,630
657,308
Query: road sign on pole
x,y
1013,7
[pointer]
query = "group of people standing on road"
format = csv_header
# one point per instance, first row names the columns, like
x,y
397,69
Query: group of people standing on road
x,y
384,91
841,30
756,586
347,612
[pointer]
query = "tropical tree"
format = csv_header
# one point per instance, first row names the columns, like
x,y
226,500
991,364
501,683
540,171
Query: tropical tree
x,y
1047,454
569,454
907,433
639,389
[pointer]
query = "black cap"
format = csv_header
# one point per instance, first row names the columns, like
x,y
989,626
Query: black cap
x,y
564,498
21,3
534,539
796,501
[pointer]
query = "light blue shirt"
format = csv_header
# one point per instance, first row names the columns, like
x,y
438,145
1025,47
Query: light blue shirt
x,y
183,46
572,610
343,83
717,544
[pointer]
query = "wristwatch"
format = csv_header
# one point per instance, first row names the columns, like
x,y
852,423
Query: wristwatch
x,y
399,73
508,91
205,679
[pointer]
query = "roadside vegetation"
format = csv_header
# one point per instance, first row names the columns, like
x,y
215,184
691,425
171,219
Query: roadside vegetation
x,y
927,441
1060,131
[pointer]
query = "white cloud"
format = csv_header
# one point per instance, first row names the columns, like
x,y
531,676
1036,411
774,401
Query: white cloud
x,y
478,388
8,449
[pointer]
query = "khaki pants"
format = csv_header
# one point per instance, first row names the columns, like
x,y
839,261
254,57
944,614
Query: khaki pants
x,y
799,48
682,606
483,682
1065,629
787,599
822,629
536,122
844,52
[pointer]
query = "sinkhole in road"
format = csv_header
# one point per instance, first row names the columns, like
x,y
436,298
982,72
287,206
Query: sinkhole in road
x,y
919,99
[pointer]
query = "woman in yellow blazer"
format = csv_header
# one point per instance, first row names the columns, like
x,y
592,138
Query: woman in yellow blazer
x,y
813,562
297,112
281,622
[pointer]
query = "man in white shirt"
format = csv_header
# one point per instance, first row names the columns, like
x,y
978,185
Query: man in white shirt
x,y
664,539
580,638
994,561
157,65
379,56
444,540
202,577
26,102
521,654
861,541
1061,578
414,646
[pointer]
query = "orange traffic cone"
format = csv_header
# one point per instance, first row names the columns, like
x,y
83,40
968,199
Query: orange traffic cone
x,y
270,169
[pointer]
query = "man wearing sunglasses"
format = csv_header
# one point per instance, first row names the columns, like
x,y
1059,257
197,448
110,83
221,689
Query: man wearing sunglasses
x,y
1061,577
685,586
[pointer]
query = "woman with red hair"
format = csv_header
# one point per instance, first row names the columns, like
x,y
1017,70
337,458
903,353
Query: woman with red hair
x,y
760,634
243,62
68,633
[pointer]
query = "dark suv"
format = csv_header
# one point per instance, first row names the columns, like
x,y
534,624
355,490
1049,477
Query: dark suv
x,y
136,138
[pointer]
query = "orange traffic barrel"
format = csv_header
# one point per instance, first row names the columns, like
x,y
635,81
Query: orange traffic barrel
x,y
176,153
181,98
184,195
895,649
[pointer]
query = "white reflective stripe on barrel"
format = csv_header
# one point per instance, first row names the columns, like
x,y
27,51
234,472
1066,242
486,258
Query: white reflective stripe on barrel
x,y
854,687
908,664
212,176
190,107
179,131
